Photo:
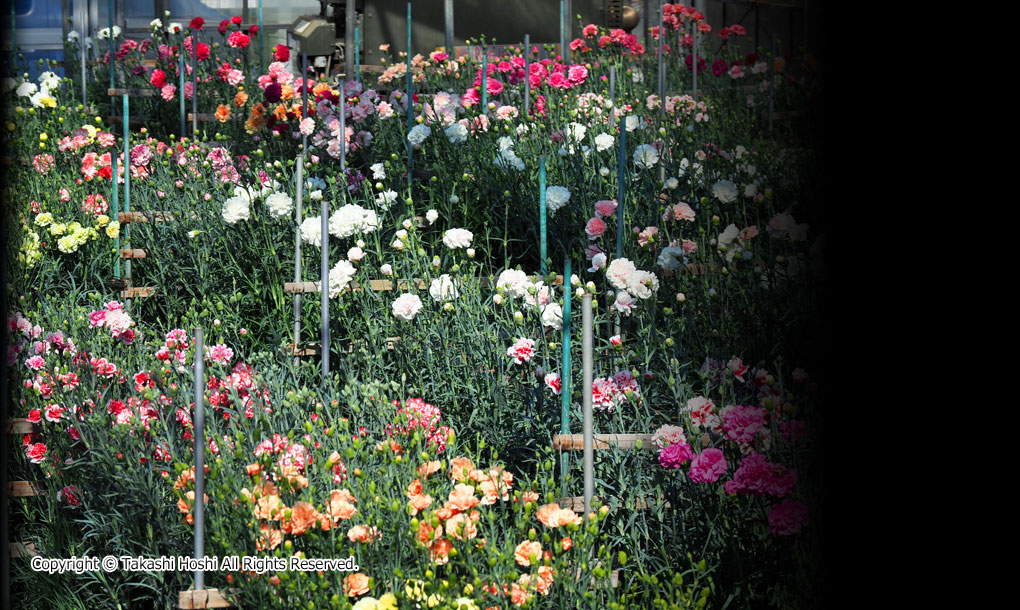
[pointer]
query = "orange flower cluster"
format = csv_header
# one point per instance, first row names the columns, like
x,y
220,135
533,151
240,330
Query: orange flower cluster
x,y
223,113
551,515
257,120
184,505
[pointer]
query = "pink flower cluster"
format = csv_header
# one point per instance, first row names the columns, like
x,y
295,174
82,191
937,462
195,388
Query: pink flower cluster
x,y
675,455
757,476
708,466
241,382
788,517
744,425
422,416
114,317
608,393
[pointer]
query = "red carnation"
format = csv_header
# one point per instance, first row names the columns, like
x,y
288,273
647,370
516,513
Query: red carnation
x,y
223,26
236,20
203,50
282,52
253,30
197,23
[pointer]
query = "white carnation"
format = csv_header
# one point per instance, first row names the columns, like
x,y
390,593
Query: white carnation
x,y
443,288
235,209
725,191
378,171
407,306
26,89
576,131
418,134
645,156
311,231
514,281
618,272
457,238
339,277
385,198
508,158
351,219
604,141
280,204
456,133
556,197
552,316
432,216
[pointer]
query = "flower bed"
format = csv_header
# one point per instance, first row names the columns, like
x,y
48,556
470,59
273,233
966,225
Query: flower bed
x,y
429,459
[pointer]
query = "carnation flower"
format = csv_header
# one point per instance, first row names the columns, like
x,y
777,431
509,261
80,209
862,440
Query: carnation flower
x,y
418,134
671,258
351,219
432,216
556,197
406,306
595,228
443,288
725,191
456,133
667,435
235,209
708,466
514,281
339,277
675,455
787,517
645,156
280,204
619,271
457,238
604,141
311,231
522,350
553,381
552,316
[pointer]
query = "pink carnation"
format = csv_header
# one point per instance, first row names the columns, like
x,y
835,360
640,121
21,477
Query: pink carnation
x,y
595,228
522,351
708,466
554,382
757,476
675,455
788,517
743,425
220,354
605,208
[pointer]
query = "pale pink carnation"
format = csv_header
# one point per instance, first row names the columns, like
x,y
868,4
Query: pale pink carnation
x,y
605,208
168,92
668,435
647,236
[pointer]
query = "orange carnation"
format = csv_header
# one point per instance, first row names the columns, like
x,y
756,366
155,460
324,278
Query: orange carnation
x,y
302,516
223,113
440,552
241,98
460,468
356,584
270,538
526,550
428,468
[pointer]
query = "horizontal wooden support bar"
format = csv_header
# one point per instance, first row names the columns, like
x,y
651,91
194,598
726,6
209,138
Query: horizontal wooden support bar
x,y
23,549
698,268
19,425
132,253
132,92
576,503
203,117
575,442
302,350
136,292
206,598
22,489
151,216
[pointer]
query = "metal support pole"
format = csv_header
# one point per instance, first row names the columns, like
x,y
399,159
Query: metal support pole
x,y
343,132
180,70
565,374
563,30
662,66
113,81
357,55
543,244
199,421
194,88
349,46
297,249
304,97
84,17
410,98
567,30
527,74
127,192
621,189
324,292
448,19
612,88
485,79
262,42
589,437
65,29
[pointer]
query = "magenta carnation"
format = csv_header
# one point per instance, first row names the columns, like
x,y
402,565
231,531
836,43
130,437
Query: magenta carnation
x,y
743,424
788,517
708,466
756,475
675,455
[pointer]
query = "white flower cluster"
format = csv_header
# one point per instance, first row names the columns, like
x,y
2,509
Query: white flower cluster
x,y
280,204
407,306
235,209
556,197
443,289
725,191
418,134
645,156
456,133
457,238
340,277
351,219
631,282
311,230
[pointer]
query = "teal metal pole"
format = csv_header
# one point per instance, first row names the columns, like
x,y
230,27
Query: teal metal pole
x,y
180,69
262,42
543,244
565,373
113,82
485,78
357,55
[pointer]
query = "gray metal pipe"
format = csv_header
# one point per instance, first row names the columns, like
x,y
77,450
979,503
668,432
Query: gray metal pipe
x,y
612,87
448,20
587,372
348,41
772,82
194,88
527,74
199,421
343,134
298,205
694,64
84,94
324,292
